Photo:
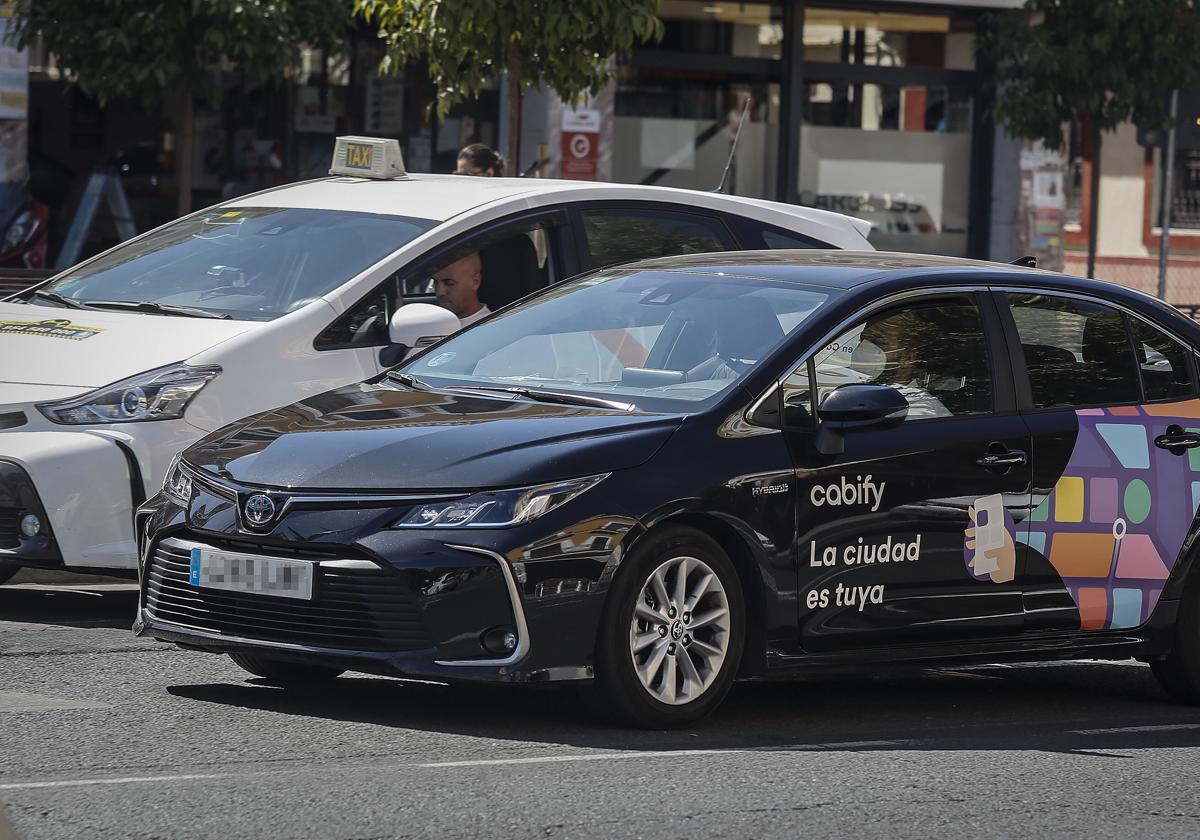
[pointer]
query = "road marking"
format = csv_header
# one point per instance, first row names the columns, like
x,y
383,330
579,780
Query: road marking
x,y
1116,730
483,762
554,759
124,780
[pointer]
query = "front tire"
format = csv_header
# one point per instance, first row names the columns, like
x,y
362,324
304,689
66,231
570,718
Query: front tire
x,y
672,632
282,672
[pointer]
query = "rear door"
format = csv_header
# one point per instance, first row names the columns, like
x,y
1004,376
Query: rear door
x,y
1111,402
908,536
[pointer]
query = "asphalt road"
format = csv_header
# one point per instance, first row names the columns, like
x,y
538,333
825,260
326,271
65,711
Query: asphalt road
x,y
104,736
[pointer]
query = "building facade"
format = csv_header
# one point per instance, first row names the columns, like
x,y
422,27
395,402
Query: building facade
x,y
877,109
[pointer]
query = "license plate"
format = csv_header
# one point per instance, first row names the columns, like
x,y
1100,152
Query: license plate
x,y
252,573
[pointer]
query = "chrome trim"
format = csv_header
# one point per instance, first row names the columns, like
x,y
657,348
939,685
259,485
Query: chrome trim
x,y
1112,304
207,481
154,622
347,564
514,595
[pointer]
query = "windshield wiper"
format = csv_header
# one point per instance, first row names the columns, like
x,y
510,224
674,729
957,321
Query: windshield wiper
x,y
61,300
558,397
157,308
570,399
409,380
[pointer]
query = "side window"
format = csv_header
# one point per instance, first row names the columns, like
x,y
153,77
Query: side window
x,y
776,239
1166,373
1077,353
515,260
935,354
618,236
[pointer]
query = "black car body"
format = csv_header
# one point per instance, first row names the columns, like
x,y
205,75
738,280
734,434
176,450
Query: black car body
x,y
937,460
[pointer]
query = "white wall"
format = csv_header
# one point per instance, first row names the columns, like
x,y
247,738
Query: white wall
x,y
1122,195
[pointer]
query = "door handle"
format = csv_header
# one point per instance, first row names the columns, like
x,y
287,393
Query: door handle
x,y
1002,460
1177,441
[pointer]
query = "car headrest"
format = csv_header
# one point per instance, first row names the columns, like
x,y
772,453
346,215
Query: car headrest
x,y
1040,356
686,340
1105,341
510,271
748,329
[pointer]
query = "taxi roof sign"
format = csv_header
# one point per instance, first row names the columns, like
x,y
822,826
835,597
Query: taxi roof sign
x,y
367,157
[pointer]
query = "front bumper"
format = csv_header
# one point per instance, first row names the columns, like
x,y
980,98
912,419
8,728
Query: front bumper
x,y
83,483
89,483
18,497
394,602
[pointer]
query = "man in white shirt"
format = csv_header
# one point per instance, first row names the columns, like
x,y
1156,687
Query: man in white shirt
x,y
457,287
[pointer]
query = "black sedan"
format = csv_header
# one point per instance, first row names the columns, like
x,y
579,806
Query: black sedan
x,y
660,478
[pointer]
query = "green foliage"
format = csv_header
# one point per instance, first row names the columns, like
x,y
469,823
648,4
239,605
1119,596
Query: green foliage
x,y
1114,61
565,44
153,49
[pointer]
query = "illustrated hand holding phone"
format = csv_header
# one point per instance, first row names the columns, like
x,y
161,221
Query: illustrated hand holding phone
x,y
993,552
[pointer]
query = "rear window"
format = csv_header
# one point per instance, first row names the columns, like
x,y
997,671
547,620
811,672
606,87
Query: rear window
x,y
1077,352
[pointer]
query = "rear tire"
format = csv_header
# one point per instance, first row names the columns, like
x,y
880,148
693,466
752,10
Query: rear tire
x,y
283,672
668,650
1179,671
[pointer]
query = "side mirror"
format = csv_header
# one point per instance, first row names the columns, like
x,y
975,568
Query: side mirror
x,y
416,325
856,407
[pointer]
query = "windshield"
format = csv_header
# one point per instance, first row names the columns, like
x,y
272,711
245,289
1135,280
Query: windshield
x,y
638,336
251,263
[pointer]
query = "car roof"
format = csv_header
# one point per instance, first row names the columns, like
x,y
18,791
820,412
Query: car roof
x,y
869,272
442,197
840,269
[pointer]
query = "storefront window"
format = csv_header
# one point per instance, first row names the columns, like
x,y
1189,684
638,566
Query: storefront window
x,y
676,128
885,39
727,28
1185,199
896,153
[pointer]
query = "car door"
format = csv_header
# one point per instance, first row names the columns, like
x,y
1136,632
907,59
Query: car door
x,y
907,536
1110,400
518,255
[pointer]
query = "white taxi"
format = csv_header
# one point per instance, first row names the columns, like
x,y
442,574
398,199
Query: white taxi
x,y
111,368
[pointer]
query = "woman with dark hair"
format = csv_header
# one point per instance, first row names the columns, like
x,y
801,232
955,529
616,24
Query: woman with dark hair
x,y
478,159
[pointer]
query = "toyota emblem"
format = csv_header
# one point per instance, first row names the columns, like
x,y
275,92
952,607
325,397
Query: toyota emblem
x,y
259,509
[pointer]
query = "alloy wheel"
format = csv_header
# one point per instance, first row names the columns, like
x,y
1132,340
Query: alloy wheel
x,y
680,631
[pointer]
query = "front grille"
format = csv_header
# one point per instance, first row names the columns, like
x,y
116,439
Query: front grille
x,y
352,608
9,517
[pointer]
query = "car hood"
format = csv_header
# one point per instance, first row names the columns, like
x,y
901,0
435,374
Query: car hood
x,y
43,345
379,437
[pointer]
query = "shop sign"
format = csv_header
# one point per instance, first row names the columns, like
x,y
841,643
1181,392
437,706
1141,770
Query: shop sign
x,y
580,144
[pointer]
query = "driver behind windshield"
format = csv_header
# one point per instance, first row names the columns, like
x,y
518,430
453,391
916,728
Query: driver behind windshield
x,y
457,288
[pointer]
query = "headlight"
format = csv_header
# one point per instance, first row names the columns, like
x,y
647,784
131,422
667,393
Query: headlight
x,y
160,394
177,484
498,508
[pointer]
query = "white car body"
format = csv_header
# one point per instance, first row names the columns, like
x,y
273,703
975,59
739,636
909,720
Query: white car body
x,y
90,478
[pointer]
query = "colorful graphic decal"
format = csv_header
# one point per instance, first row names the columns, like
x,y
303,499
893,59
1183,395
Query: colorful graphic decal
x,y
1115,523
991,553
51,328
